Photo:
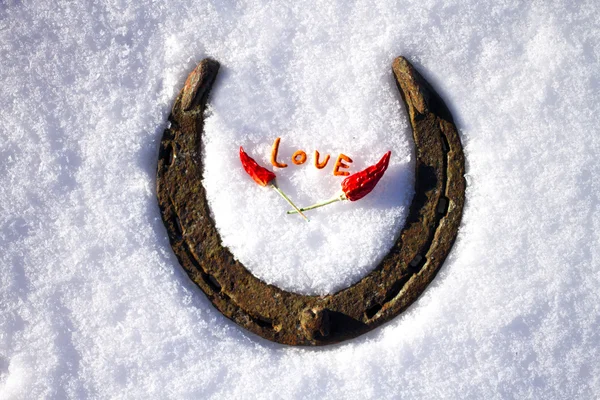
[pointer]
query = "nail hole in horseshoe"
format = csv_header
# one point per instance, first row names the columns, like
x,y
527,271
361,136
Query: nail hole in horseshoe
x,y
373,310
166,154
416,263
340,322
178,228
419,116
263,322
390,295
210,280
170,156
213,283
395,289
445,145
442,207
173,124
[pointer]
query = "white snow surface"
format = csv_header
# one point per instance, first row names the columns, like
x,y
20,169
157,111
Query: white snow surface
x,y
93,303
354,109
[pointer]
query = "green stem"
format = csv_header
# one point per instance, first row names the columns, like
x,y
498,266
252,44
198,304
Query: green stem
x,y
339,198
289,201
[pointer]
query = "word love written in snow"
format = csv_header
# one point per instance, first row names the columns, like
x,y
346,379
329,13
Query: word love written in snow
x,y
299,158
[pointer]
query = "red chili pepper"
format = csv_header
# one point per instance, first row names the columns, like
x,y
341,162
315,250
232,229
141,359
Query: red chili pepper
x,y
360,184
261,175
357,185
264,177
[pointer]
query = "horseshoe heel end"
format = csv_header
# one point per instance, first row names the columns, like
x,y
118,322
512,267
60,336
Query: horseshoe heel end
x,y
197,86
417,93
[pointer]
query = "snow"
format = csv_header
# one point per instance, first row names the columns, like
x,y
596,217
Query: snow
x,y
93,303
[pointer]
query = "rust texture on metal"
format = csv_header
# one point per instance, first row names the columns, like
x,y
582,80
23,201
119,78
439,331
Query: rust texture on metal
x,y
291,318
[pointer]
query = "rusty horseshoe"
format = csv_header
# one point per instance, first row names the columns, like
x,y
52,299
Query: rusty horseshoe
x,y
275,314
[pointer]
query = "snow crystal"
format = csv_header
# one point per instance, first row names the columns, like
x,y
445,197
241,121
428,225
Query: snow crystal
x,y
93,303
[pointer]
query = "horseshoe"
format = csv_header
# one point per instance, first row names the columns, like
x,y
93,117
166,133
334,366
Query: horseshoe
x,y
294,319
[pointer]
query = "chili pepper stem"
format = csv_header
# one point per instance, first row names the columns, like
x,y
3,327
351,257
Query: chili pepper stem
x,y
324,203
297,210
